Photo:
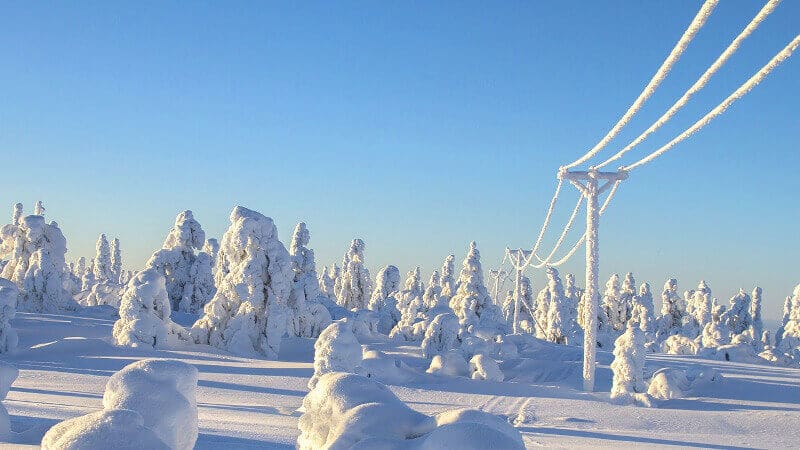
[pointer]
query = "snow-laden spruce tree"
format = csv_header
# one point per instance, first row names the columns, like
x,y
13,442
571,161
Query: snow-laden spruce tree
x,y
628,364
441,335
211,246
574,294
626,295
8,308
787,312
175,260
354,286
757,324
199,288
144,314
642,311
327,281
102,261
613,304
248,314
87,280
37,266
384,298
790,339
447,280
409,302
116,261
433,293
471,299
309,316
737,318
38,209
701,304
673,310
715,333
562,320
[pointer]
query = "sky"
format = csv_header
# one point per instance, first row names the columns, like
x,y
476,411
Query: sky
x,y
416,126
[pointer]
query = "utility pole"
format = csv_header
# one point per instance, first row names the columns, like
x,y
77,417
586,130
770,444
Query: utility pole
x,y
588,183
517,257
499,276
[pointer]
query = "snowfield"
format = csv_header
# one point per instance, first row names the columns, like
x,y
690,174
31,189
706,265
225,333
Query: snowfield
x,y
65,360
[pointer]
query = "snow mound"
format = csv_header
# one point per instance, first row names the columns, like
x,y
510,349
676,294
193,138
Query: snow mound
x,y
668,384
379,366
679,345
451,364
163,392
117,429
485,368
8,374
348,411
336,350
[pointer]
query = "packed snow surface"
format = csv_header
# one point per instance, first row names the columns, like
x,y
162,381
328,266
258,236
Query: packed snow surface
x,y
66,361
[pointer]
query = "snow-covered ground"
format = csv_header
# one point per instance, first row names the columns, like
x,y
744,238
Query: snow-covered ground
x,y
65,359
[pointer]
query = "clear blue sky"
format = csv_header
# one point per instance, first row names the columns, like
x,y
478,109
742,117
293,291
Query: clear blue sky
x,y
417,126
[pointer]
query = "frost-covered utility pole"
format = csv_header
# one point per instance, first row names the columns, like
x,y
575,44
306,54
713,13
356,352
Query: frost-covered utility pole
x,y
499,276
519,259
588,183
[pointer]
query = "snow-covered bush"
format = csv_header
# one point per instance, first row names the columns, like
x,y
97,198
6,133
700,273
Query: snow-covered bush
x,y
144,314
483,367
562,320
471,301
248,314
149,404
354,286
8,374
441,335
679,345
8,309
348,411
670,383
120,429
187,283
628,365
309,316
450,364
336,350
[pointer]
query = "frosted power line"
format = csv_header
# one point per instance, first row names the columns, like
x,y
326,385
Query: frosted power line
x,y
782,56
765,11
697,23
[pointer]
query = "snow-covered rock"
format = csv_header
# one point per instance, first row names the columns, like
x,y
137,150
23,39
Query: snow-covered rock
x,y
164,393
347,411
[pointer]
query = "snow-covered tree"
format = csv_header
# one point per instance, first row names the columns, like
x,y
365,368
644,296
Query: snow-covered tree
x,y
384,298
737,317
471,299
354,286
16,215
626,295
309,316
144,314
38,209
199,288
8,308
248,314
642,311
433,292
409,302
787,311
87,280
175,260
336,350
716,333
628,364
102,261
447,280
441,335
116,261
327,281
211,246
525,315
574,294
755,313
562,314
37,266
790,340
615,309
701,302
673,310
